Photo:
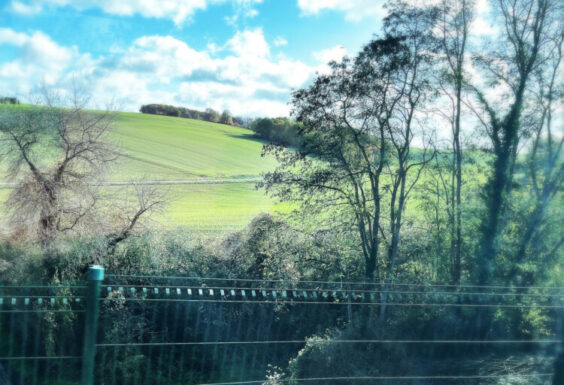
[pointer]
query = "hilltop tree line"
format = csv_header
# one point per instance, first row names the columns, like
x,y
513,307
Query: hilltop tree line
x,y
209,114
281,131
9,100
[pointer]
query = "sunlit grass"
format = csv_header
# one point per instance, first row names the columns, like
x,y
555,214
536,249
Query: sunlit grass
x,y
159,147
167,148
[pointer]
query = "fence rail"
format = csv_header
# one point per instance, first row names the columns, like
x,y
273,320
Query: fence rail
x,y
142,329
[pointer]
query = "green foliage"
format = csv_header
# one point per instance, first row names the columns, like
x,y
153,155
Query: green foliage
x,y
281,131
9,100
209,114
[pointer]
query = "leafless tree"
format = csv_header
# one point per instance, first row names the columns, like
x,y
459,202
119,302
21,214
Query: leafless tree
x,y
56,157
131,211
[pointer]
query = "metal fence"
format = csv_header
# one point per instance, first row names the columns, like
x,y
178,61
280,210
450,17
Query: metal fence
x,y
135,329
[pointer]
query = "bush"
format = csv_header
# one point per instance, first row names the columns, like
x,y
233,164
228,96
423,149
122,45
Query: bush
x,y
279,131
9,100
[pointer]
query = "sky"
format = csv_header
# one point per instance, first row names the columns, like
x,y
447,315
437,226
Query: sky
x,y
245,56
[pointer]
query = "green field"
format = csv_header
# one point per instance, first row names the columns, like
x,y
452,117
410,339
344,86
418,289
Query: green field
x,y
206,169
160,147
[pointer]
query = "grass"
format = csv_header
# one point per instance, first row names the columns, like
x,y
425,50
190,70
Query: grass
x,y
216,207
160,148
177,151
168,148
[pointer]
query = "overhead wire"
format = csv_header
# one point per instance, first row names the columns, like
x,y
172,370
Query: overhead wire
x,y
43,311
296,342
385,378
41,358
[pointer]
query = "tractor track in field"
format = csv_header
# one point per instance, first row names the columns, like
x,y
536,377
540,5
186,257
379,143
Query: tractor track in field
x,y
164,181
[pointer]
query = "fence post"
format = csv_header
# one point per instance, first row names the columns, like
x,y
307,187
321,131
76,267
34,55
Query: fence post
x,y
95,277
558,378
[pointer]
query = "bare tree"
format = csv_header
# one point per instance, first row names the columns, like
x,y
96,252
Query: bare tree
x,y
140,201
56,157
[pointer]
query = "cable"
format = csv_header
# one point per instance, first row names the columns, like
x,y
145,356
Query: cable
x,y
292,342
43,296
333,289
42,311
338,282
385,378
337,303
42,287
42,358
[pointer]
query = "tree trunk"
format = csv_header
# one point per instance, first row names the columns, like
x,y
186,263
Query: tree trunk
x,y
457,212
498,187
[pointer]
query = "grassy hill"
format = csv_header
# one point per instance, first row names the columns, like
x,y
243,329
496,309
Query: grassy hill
x,y
160,147
208,170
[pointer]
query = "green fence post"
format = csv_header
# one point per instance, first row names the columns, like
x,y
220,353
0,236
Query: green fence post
x,y
558,378
95,277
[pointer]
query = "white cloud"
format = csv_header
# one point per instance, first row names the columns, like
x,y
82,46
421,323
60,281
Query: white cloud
x,y
176,10
24,9
245,79
249,43
354,9
482,24
335,53
325,56
280,41
243,9
39,60
8,36
251,13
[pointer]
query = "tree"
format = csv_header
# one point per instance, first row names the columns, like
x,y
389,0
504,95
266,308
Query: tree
x,y
213,115
56,156
357,123
9,100
526,26
544,168
454,21
404,97
280,131
226,118
131,210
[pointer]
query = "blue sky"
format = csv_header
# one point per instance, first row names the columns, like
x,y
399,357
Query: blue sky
x,y
241,55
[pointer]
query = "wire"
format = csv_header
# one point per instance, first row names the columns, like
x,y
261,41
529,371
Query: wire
x,y
43,296
385,378
42,287
338,290
339,282
337,303
42,358
292,342
42,311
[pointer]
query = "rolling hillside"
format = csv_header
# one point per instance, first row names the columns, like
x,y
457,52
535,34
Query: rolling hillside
x,y
208,170
160,147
